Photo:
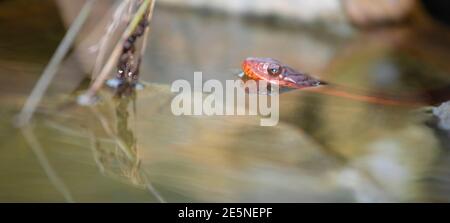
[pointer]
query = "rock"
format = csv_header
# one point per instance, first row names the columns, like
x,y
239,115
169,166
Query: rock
x,y
367,12
303,11
443,114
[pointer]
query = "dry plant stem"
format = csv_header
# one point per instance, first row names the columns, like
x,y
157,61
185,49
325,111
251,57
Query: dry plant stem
x,y
117,17
50,71
45,164
110,64
153,190
147,30
149,185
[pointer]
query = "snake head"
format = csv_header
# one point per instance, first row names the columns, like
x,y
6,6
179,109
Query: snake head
x,y
273,71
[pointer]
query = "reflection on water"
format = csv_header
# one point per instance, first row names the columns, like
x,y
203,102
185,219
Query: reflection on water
x,y
325,148
120,158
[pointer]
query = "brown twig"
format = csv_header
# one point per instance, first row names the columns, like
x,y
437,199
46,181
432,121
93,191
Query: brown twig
x,y
146,6
50,71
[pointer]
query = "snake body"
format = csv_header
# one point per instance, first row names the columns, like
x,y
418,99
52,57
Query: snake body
x,y
275,72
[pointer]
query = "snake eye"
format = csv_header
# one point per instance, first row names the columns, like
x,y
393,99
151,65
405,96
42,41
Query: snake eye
x,y
274,69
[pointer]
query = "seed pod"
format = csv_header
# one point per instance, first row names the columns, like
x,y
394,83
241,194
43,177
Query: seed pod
x,y
127,46
123,66
124,57
139,31
131,39
120,74
144,22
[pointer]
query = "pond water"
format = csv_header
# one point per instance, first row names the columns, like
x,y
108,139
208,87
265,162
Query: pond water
x,y
133,149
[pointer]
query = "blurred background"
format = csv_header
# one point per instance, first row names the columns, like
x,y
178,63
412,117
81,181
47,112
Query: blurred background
x,y
325,148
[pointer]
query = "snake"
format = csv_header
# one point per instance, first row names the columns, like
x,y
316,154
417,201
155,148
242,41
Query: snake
x,y
275,72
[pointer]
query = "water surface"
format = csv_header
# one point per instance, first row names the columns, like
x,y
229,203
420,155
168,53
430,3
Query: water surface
x,y
134,149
